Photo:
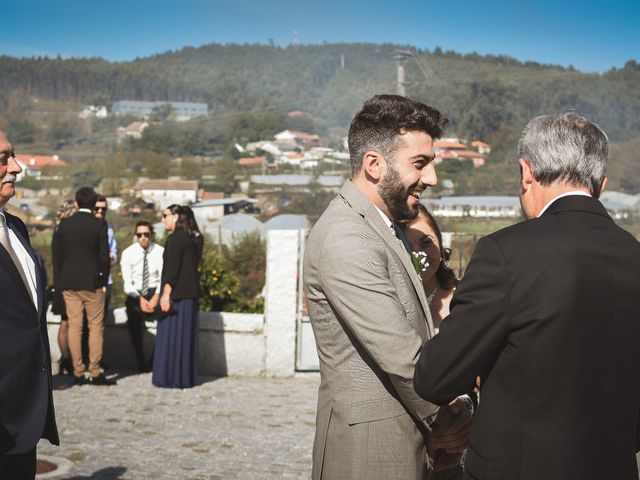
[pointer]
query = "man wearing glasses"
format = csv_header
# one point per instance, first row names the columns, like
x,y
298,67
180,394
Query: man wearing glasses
x,y
26,404
141,267
81,270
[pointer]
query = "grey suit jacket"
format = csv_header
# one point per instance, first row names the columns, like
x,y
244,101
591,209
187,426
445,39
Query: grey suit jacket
x,y
370,318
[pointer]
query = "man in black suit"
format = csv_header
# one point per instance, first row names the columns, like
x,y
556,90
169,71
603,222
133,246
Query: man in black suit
x,y
81,270
548,315
26,403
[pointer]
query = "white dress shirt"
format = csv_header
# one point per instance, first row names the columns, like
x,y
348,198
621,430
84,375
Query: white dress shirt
x,y
25,261
131,265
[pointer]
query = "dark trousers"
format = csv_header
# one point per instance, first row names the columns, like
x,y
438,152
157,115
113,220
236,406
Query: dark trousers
x,y
18,467
136,326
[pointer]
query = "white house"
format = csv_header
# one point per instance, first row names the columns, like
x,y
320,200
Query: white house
x,y
167,192
133,130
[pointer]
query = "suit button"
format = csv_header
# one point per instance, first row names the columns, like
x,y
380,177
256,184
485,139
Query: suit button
x,y
42,368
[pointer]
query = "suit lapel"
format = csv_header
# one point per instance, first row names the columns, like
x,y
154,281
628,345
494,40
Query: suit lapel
x,y
365,208
36,262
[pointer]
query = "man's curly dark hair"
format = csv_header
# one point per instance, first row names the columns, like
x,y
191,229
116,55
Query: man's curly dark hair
x,y
384,117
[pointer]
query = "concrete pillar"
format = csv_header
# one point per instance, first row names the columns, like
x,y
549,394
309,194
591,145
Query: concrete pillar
x,y
280,302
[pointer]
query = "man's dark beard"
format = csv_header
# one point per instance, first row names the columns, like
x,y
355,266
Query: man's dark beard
x,y
394,195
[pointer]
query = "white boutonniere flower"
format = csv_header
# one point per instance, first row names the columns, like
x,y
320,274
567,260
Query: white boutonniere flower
x,y
420,261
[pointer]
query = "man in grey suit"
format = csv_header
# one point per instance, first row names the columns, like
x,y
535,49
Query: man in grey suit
x,y
368,309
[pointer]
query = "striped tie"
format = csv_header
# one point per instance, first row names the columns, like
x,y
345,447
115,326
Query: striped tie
x,y
4,241
145,274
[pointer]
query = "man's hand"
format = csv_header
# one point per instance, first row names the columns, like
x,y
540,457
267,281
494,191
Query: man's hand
x,y
145,306
445,448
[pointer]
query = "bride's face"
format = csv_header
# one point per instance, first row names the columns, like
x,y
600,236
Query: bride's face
x,y
422,237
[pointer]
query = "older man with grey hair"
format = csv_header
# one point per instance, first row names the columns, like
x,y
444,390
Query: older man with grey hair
x,y
548,315
26,401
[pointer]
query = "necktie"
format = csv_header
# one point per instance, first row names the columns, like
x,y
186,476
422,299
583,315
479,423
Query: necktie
x,y
145,274
4,241
399,234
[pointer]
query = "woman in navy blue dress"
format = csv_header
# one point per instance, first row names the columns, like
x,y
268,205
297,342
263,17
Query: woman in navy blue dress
x,y
175,361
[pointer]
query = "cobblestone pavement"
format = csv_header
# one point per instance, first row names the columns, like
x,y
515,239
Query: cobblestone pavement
x,y
226,428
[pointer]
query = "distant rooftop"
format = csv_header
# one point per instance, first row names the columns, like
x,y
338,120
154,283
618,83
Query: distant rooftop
x,y
476,201
297,180
167,185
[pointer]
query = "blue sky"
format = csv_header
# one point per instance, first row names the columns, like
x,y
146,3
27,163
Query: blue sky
x,y
590,35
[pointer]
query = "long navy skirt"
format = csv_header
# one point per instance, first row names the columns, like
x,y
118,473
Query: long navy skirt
x,y
175,358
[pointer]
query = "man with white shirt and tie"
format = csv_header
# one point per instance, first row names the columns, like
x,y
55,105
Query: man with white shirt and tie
x,y
26,403
141,267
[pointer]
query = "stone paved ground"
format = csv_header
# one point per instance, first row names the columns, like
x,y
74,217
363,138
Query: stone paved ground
x,y
226,428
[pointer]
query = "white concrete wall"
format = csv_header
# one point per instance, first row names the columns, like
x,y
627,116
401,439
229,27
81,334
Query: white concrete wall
x,y
230,343
280,305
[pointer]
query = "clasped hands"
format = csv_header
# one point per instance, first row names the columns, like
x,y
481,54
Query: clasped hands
x,y
148,306
445,448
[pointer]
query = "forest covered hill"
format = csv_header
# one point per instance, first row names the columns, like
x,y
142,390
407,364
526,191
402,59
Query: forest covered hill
x,y
487,97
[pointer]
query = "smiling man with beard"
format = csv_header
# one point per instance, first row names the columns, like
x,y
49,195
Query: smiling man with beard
x,y
367,306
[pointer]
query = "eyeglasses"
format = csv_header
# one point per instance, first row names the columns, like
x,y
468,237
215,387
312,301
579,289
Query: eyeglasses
x,y
143,234
100,209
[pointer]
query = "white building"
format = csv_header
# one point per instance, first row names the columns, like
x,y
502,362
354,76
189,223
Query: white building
x,y
182,110
163,193
470,206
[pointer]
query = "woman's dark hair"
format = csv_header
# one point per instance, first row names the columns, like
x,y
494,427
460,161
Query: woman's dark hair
x,y
186,220
444,275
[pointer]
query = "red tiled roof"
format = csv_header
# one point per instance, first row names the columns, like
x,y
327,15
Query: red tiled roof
x,y
210,195
296,113
39,161
251,161
294,156
304,136
449,145
479,144
469,154
446,154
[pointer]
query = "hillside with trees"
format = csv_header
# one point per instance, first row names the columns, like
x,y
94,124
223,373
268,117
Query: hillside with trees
x,y
250,88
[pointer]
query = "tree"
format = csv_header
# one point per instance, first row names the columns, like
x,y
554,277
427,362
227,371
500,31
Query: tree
x,y
87,177
156,165
161,112
60,132
225,170
21,130
191,169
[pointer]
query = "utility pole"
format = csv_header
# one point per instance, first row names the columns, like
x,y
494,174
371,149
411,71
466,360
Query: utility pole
x,y
295,37
342,61
401,57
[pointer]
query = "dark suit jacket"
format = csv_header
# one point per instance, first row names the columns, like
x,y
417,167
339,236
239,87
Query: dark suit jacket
x,y
181,258
548,314
80,253
26,403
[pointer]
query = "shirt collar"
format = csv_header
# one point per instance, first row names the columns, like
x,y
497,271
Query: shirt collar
x,y
85,210
566,194
386,219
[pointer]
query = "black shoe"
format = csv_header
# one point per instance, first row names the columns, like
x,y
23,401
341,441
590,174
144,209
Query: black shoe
x,y
80,380
101,380
66,367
